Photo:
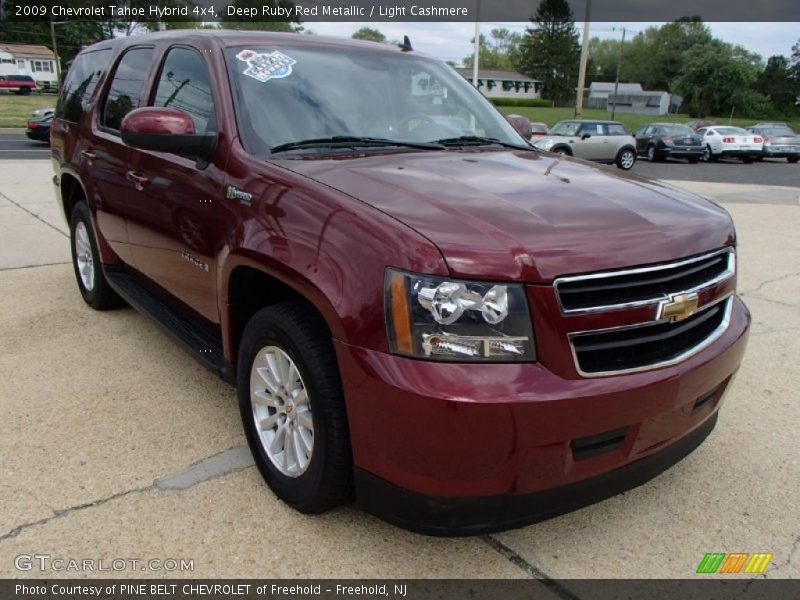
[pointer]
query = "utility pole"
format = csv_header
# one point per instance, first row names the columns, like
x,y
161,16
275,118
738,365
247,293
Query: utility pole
x,y
477,49
616,81
55,51
584,56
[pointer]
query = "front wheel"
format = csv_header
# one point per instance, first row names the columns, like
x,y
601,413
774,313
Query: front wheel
x,y
626,159
292,407
86,262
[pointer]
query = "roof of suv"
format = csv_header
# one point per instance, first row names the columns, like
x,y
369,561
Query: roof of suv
x,y
231,37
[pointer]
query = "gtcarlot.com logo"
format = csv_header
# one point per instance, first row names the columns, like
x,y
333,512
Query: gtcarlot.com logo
x,y
735,562
45,562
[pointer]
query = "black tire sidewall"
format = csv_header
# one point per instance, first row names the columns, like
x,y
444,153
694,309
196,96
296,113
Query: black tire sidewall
x,y
80,214
306,492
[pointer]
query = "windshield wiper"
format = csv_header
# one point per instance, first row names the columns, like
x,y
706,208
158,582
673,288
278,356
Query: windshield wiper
x,y
347,141
475,140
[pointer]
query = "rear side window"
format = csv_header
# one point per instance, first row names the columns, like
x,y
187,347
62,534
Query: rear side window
x,y
614,129
81,83
126,87
185,85
21,78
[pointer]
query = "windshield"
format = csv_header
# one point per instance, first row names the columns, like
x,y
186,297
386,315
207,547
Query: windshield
x,y
292,94
565,128
676,130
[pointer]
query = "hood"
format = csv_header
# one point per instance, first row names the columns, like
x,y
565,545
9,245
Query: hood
x,y
526,216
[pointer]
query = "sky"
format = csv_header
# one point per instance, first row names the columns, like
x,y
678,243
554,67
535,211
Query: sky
x,y
451,41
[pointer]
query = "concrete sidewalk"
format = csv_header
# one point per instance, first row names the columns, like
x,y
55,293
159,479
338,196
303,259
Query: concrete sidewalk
x,y
117,444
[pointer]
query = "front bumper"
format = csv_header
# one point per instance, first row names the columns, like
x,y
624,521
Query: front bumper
x,y
446,448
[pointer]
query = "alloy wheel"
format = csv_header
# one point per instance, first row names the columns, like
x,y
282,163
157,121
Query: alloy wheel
x,y
281,411
83,256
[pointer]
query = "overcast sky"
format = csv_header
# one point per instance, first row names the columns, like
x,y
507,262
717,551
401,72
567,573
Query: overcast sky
x,y
451,41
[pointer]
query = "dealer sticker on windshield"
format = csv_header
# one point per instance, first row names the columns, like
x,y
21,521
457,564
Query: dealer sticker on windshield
x,y
266,66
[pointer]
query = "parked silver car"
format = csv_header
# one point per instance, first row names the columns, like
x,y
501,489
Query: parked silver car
x,y
780,141
600,141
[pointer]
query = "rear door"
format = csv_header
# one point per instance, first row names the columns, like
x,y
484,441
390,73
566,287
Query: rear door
x,y
181,217
105,157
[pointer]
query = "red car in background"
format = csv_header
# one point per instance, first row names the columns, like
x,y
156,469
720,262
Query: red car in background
x,y
19,84
464,332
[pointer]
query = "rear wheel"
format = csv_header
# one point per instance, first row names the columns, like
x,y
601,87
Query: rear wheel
x,y
292,407
708,156
651,154
747,159
693,160
793,159
626,159
86,262
24,91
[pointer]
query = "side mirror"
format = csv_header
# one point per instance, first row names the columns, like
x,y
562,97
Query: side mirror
x,y
166,130
521,125
586,136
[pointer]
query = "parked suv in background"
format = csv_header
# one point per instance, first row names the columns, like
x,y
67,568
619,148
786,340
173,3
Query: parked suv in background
x,y
600,141
466,333
658,141
19,84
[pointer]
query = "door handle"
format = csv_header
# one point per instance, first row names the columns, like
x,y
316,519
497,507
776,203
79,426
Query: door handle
x,y
88,155
138,181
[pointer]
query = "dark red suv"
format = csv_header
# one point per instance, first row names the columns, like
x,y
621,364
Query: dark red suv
x,y
416,307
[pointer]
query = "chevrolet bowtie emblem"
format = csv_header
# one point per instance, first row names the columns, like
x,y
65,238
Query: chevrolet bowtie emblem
x,y
678,307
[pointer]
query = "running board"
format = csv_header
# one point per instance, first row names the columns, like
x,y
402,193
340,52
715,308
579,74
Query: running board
x,y
201,344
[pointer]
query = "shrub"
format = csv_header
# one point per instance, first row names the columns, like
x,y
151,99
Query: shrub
x,y
526,102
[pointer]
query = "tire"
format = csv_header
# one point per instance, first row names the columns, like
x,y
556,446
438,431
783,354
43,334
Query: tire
x,y
275,339
651,154
562,150
626,159
708,156
747,160
693,160
86,263
792,159
25,91
759,159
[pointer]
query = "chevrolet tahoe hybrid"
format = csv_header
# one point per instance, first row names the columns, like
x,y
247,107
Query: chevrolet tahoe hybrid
x,y
418,309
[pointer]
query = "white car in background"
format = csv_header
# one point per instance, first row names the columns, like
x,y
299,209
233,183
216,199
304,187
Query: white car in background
x,y
725,141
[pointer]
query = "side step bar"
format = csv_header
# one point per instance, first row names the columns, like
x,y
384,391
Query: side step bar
x,y
202,345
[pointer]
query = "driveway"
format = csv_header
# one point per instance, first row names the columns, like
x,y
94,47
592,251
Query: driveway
x,y
116,444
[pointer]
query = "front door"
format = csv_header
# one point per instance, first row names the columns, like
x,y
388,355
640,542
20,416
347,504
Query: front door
x,y
178,228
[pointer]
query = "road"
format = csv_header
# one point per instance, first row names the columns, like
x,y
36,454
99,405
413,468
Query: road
x,y
770,172
116,443
16,146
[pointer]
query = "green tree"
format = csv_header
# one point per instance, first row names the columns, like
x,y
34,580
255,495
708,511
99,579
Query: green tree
x,y
603,56
654,57
776,82
501,50
370,34
550,51
717,78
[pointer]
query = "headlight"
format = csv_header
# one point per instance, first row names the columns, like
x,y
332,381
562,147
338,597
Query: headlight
x,y
454,320
545,144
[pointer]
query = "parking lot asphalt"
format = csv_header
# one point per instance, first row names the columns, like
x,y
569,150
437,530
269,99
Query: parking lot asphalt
x,y
117,444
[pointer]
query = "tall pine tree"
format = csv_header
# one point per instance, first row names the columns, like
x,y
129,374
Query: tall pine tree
x,y
551,52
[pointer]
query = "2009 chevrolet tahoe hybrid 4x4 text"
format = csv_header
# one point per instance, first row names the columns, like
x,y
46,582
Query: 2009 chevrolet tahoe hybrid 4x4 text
x,y
417,308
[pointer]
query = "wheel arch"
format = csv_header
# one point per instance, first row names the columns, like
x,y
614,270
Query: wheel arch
x,y
249,284
559,147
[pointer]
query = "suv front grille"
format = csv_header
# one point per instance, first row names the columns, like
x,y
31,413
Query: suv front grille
x,y
646,285
645,346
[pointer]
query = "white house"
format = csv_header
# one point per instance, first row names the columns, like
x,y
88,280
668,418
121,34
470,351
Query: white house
x,y
504,84
631,98
27,59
